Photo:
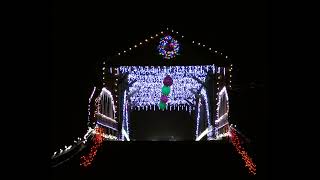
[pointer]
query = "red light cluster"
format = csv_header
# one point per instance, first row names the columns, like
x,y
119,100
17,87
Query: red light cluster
x,y
245,157
86,160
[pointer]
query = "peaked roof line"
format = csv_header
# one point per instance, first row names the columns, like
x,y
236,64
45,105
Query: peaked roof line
x,y
156,35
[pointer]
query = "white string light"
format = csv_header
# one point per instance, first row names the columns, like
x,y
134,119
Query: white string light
x,y
205,97
68,148
125,134
106,136
89,105
109,95
220,136
125,116
156,35
224,118
148,80
205,132
221,117
198,118
145,94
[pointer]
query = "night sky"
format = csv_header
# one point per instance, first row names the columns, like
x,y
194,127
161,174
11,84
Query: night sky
x,y
85,32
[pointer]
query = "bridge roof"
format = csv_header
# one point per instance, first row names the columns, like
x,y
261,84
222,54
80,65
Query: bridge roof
x,y
145,52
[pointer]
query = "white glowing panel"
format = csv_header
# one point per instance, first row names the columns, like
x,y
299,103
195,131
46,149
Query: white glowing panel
x,y
149,81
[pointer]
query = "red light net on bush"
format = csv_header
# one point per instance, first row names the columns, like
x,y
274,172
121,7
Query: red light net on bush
x,y
245,157
86,160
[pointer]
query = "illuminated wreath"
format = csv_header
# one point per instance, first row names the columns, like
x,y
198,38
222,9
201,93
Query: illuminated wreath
x,y
168,47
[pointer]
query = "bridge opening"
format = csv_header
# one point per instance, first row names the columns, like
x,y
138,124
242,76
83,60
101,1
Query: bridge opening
x,y
161,125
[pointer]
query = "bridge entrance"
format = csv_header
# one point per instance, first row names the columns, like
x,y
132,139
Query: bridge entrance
x,y
162,126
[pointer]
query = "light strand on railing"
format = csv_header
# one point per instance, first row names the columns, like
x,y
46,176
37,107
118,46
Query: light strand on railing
x,y
245,157
227,134
86,160
106,136
67,148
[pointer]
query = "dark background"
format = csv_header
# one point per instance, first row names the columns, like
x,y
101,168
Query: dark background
x,y
84,32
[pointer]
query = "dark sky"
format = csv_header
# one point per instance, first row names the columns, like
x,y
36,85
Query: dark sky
x,y
84,32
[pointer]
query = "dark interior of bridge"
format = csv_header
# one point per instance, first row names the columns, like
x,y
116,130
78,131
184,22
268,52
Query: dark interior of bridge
x,y
161,126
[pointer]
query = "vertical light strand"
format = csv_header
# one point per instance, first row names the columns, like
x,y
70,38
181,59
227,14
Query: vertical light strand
x,y
198,118
89,106
205,97
126,112
102,104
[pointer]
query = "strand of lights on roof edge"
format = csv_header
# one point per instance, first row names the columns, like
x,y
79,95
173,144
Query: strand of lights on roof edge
x,y
156,35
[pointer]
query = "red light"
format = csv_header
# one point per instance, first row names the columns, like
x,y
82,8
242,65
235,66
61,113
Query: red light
x,y
97,142
245,157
